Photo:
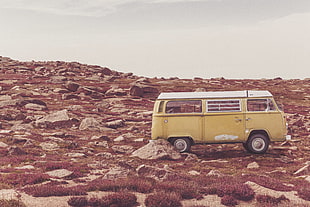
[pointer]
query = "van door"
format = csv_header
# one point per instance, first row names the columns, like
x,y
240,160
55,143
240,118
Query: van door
x,y
224,121
262,114
183,119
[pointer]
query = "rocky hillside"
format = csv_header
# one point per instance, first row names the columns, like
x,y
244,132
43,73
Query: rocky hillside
x,y
73,134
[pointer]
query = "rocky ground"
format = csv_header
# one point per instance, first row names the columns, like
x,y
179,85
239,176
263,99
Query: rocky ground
x,y
73,130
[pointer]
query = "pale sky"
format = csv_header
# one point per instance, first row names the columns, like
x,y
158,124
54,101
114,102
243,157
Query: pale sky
x,y
163,38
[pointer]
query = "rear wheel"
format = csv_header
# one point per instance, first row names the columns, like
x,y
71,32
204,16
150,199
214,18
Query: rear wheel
x,y
257,143
182,144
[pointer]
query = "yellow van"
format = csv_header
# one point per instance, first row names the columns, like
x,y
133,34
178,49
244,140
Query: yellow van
x,y
249,117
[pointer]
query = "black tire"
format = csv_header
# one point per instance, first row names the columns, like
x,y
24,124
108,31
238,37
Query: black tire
x,y
182,144
257,143
245,146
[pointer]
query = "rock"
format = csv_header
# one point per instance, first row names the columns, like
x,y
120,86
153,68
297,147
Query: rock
x,y
119,139
303,171
193,172
71,86
49,146
157,149
144,91
70,96
253,165
9,194
59,116
123,149
22,127
14,150
106,71
7,103
215,173
90,124
200,90
3,145
116,92
115,124
117,172
190,157
103,144
307,179
26,167
154,172
75,155
60,173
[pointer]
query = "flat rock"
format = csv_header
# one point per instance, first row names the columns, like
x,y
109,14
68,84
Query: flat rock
x,y
157,149
3,145
90,124
253,165
60,173
49,146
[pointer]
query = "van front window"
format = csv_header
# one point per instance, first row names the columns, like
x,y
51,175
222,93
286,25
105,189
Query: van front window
x,y
260,105
192,106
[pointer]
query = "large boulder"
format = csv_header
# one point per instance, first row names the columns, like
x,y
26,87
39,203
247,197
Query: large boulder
x,y
90,124
144,91
157,149
59,119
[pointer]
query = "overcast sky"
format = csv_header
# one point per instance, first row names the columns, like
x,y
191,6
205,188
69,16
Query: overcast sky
x,y
163,38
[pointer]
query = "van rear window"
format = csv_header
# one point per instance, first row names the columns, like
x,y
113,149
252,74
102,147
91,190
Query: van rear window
x,y
191,106
223,105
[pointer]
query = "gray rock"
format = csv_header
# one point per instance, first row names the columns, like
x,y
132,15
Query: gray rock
x,y
26,167
3,145
157,173
9,194
117,172
75,155
49,146
71,86
115,124
58,116
157,149
35,107
60,173
123,149
253,165
90,124
119,139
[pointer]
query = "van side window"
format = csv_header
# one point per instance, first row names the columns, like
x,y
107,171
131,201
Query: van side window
x,y
183,107
260,105
223,105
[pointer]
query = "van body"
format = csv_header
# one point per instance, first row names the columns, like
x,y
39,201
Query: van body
x,y
249,117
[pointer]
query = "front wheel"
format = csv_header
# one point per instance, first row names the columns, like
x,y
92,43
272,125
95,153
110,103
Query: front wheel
x,y
182,144
257,143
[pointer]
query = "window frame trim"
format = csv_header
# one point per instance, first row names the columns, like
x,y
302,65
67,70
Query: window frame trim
x,y
224,111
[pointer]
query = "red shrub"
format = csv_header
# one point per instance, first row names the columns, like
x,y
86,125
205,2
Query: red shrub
x,y
163,199
243,192
120,199
141,185
187,190
228,200
266,199
54,190
78,201
21,179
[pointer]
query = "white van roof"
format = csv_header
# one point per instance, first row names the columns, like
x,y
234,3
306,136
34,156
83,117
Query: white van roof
x,y
217,94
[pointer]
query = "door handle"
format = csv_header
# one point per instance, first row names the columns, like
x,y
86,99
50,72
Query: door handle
x,y
238,120
248,119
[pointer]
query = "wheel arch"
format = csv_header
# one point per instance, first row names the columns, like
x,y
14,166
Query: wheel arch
x,y
260,131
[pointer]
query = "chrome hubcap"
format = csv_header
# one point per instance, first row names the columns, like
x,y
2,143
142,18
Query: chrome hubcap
x,y
258,144
180,145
